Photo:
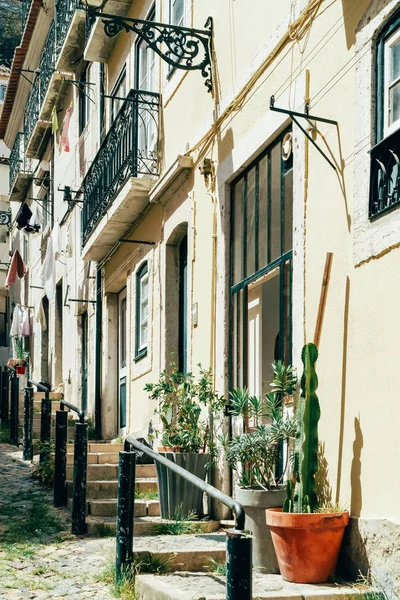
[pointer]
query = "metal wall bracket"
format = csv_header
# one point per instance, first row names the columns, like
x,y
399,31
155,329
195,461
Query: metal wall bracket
x,y
297,115
181,47
5,217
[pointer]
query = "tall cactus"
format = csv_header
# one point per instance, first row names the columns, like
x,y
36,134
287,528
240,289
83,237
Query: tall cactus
x,y
306,451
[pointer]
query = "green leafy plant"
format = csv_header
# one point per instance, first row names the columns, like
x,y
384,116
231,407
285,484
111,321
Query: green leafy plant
x,y
303,497
21,354
4,433
181,401
254,453
182,524
216,568
44,472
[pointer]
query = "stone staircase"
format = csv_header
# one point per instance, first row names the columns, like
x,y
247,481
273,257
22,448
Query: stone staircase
x,y
102,486
101,492
55,398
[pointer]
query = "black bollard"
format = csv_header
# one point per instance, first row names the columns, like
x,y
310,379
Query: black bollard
x,y
28,424
125,514
14,409
238,565
45,429
60,460
79,526
4,392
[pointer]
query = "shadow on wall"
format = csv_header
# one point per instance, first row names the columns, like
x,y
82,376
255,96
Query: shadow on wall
x,y
355,475
324,489
352,15
353,559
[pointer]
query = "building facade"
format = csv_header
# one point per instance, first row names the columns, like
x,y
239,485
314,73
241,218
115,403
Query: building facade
x,y
180,211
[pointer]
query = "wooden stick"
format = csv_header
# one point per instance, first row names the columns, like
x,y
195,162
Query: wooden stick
x,y
322,300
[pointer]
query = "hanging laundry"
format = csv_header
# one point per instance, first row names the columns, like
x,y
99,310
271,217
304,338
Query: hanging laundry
x,y
36,219
64,141
16,325
54,120
48,272
23,216
41,316
26,326
17,268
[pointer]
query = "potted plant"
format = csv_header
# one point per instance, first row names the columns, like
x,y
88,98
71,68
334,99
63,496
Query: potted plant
x,y
254,456
183,404
19,363
306,541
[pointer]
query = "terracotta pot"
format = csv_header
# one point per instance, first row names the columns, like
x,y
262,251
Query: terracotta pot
x,y
20,369
169,448
306,545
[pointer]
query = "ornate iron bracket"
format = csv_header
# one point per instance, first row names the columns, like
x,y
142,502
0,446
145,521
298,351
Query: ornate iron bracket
x,y
293,114
185,48
5,217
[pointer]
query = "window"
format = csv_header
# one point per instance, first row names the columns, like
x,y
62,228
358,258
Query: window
x,y
3,89
142,311
118,91
84,99
392,83
385,159
261,267
146,80
177,12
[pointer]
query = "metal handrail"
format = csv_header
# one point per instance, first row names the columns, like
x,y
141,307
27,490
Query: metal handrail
x,y
81,413
40,386
235,506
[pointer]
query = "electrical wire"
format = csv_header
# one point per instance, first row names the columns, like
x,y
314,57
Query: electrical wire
x,y
340,22
295,32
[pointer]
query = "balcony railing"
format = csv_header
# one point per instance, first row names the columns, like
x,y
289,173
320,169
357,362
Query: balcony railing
x,y
385,175
25,7
128,150
18,161
64,12
41,83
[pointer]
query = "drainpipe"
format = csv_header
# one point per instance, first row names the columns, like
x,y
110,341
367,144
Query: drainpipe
x,y
97,382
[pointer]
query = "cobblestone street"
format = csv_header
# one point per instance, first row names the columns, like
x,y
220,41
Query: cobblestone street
x,y
39,558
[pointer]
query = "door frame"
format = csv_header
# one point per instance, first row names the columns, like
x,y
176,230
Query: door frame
x,y
122,370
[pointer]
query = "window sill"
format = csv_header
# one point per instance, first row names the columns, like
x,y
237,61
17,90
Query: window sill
x,y
140,354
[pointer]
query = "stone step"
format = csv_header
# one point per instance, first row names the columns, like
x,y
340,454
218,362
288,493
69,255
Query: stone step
x,y
108,508
213,587
104,526
106,471
103,447
37,406
97,472
108,489
182,552
38,396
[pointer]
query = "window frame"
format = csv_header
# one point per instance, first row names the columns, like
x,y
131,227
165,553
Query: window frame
x,y
183,19
83,100
390,29
239,289
140,348
121,79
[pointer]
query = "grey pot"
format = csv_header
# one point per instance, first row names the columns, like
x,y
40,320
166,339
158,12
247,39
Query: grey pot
x,y
255,502
175,491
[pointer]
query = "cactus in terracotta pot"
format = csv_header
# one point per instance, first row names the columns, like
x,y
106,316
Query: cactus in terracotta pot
x,y
304,498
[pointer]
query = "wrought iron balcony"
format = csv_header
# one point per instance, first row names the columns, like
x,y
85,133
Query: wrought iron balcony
x,y
25,7
385,175
129,149
41,83
64,12
20,169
